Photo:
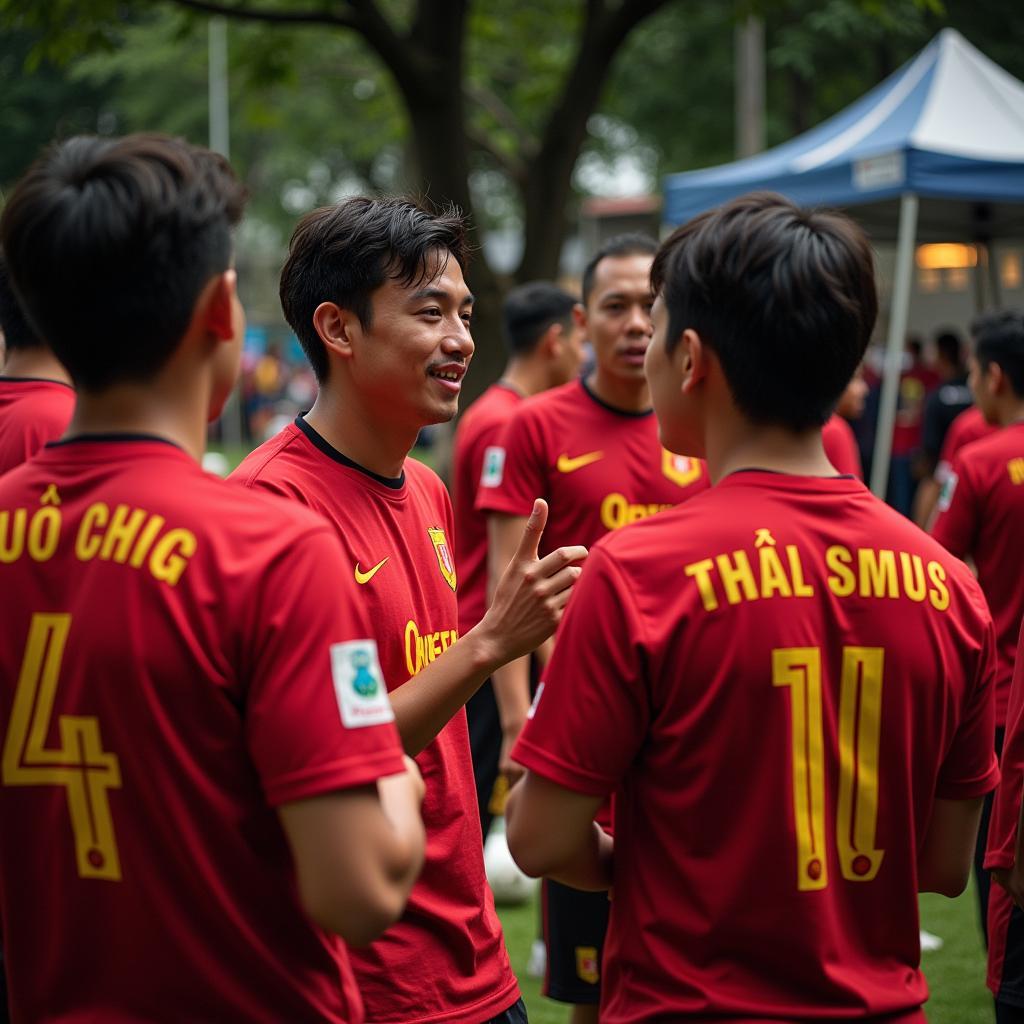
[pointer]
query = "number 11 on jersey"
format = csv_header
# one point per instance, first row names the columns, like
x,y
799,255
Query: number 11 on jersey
x,y
860,707
79,764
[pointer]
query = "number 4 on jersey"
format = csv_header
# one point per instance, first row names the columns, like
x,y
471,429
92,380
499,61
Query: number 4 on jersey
x,y
79,764
860,705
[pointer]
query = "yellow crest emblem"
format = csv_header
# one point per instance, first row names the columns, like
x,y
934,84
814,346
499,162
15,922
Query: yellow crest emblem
x,y
680,469
587,966
445,560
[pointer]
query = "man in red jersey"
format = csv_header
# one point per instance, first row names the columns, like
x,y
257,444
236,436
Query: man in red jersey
x,y
591,449
375,291
785,683
185,774
1005,859
36,397
544,345
982,506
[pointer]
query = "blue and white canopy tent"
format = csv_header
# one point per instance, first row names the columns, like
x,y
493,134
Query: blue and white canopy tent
x,y
934,153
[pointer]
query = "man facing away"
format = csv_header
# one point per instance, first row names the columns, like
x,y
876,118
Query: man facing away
x,y
591,449
36,397
375,291
544,345
785,683
197,748
982,506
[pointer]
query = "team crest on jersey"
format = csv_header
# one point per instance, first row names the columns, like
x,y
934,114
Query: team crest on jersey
x,y
445,561
587,966
680,469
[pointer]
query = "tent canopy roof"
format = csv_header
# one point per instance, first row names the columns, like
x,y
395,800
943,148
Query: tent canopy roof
x,y
947,125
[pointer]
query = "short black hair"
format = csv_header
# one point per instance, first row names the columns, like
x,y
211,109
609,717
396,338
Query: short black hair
x,y
529,310
633,244
784,297
18,332
1001,341
110,243
949,346
344,253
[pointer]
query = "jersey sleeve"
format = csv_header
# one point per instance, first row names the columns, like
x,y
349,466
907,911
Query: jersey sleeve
x,y
514,468
841,449
316,708
970,767
956,526
1002,833
592,710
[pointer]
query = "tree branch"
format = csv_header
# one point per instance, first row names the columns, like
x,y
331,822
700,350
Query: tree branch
x,y
515,168
499,110
244,13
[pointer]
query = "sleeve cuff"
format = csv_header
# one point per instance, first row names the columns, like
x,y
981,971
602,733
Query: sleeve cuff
x,y
324,778
968,789
560,772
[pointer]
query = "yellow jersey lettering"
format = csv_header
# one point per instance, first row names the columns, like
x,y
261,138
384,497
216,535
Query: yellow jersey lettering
x,y
613,511
773,577
701,571
12,534
737,576
412,644
796,569
145,541
87,543
877,573
124,527
913,577
842,582
939,594
1015,467
423,648
171,554
44,534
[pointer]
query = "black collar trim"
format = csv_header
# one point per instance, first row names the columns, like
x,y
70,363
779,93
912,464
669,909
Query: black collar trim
x,y
631,413
34,380
112,439
395,483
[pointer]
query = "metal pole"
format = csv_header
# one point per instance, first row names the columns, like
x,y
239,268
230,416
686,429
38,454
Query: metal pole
x,y
894,344
220,138
750,86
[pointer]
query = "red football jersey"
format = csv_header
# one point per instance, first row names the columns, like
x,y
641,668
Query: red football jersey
x,y
841,446
445,960
175,662
477,452
980,512
969,426
599,468
1002,829
776,679
32,412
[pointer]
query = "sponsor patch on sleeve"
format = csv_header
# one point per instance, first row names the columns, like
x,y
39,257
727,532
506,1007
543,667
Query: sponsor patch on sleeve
x,y
494,466
359,684
949,483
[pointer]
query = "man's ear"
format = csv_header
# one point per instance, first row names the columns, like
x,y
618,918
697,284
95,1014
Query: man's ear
x,y
552,341
995,377
337,328
693,358
219,314
579,316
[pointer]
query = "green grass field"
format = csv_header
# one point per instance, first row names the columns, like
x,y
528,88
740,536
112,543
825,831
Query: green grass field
x,y
956,973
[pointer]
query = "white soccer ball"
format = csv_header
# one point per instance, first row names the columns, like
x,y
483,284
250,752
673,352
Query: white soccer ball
x,y
509,885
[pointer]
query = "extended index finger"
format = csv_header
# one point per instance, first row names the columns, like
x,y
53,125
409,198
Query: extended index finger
x,y
529,543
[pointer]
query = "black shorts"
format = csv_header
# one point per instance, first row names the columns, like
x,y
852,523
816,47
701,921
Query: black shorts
x,y
1005,949
575,923
485,749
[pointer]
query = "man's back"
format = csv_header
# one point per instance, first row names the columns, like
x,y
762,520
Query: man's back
x,y
804,673
32,412
159,702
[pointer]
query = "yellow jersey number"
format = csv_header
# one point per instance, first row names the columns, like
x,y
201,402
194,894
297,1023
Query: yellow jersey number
x,y
79,763
860,706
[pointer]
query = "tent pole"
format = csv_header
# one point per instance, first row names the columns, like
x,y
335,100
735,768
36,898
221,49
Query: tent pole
x,y
894,345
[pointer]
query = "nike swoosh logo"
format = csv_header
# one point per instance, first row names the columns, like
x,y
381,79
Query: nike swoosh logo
x,y
365,577
569,464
